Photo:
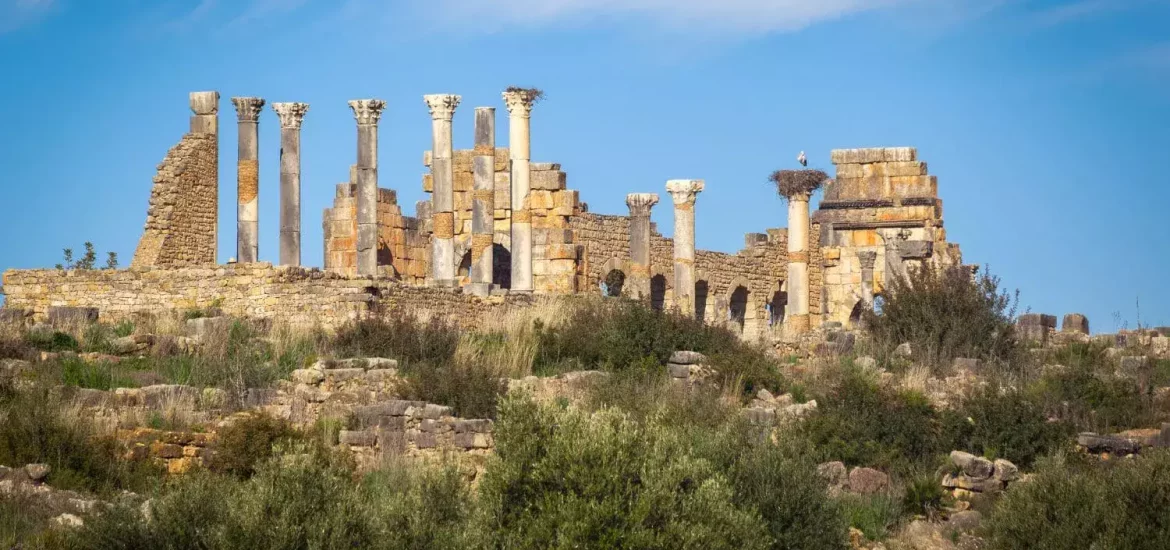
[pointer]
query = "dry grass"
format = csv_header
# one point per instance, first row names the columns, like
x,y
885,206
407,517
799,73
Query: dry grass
x,y
915,378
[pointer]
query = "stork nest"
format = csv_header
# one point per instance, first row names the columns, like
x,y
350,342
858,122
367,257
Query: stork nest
x,y
793,182
534,94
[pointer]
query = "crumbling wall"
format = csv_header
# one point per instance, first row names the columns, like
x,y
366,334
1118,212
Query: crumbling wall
x,y
403,250
181,220
883,200
295,295
760,268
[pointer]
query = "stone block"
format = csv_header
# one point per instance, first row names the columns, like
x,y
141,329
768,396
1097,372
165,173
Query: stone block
x,y
547,180
915,250
1006,470
688,358
201,328
432,411
424,440
760,416
62,316
469,440
868,481
1075,322
342,375
835,473
357,438
678,371
1107,444
473,426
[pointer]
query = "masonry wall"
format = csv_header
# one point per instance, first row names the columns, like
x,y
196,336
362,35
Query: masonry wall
x,y
294,295
181,219
760,269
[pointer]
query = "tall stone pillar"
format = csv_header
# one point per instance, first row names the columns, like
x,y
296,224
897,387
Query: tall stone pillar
x,y
367,112
519,103
639,278
483,201
867,258
442,107
248,179
205,120
291,115
684,192
797,321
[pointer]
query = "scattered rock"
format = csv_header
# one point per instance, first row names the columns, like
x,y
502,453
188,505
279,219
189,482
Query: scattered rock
x,y
68,520
962,364
764,395
904,350
688,358
968,520
1005,470
1107,444
201,328
868,481
834,473
37,472
865,362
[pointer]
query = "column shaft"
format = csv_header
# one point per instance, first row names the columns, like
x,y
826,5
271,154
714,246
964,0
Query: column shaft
x,y
367,112
483,201
291,115
519,105
442,107
248,179
684,193
798,284
638,280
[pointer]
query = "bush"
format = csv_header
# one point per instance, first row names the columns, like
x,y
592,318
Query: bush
x,y
54,341
1073,504
1091,401
398,336
245,444
617,334
863,424
874,515
471,388
923,495
999,423
34,429
946,313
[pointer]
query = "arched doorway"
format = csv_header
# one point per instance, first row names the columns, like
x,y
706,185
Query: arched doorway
x,y
702,291
613,283
657,292
463,270
776,309
501,266
738,308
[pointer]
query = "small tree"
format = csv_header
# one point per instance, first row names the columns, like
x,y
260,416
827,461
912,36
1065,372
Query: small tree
x,y
946,313
88,260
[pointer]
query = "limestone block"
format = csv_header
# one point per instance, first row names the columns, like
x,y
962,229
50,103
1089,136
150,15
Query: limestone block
x,y
868,481
871,155
547,180
1075,322
540,199
464,181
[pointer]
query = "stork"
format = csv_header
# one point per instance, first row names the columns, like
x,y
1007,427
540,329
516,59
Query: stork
x,y
802,159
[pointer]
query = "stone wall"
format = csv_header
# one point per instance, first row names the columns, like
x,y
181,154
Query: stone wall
x,y
403,251
883,201
760,269
181,219
295,295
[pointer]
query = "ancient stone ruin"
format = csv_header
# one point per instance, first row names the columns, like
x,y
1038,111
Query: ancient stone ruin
x,y
498,228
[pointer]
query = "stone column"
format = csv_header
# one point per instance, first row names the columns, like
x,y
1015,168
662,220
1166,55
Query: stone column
x,y
248,179
367,112
205,120
483,201
684,192
291,115
442,107
519,103
867,259
797,320
638,280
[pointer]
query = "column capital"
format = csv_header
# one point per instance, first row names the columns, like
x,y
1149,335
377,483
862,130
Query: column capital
x,y
641,203
204,103
248,108
867,258
519,102
367,111
291,114
442,106
684,191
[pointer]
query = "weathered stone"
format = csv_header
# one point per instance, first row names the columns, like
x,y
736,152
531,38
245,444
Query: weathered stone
x,y
308,376
473,426
1075,322
904,350
357,438
471,440
65,316
203,327
37,472
688,358
14,316
835,473
865,362
965,364
761,416
976,467
69,521
678,371
966,520
989,485
1005,470
868,481
1107,444
162,395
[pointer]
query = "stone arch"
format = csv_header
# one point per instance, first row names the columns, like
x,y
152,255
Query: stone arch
x,y
501,266
737,308
611,271
658,292
463,269
777,306
702,296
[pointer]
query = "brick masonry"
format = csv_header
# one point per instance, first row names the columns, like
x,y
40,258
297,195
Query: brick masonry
x,y
181,220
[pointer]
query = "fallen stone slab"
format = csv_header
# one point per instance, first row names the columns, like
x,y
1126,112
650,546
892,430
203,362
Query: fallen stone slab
x,y
1107,444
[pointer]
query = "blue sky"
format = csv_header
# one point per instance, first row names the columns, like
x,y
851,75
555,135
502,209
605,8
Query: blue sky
x,y
1048,123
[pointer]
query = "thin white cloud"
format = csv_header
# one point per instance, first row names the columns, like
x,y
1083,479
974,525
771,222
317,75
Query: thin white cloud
x,y
1086,9
15,14
713,15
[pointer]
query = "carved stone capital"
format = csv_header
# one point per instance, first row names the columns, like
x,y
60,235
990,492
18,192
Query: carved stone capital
x,y
799,196
641,203
248,108
867,258
519,103
291,114
442,106
204,103
367,111
684,191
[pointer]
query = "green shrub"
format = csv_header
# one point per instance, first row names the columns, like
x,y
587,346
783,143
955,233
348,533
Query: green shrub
x,y
248,442
34,429
471,388
1000,423
1091,401
923,495
864,424
1072,504
13,345
946,313
422,507
874,515
617,334
398,336
54,341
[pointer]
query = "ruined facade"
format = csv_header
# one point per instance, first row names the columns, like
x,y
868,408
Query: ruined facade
x,y
509,226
